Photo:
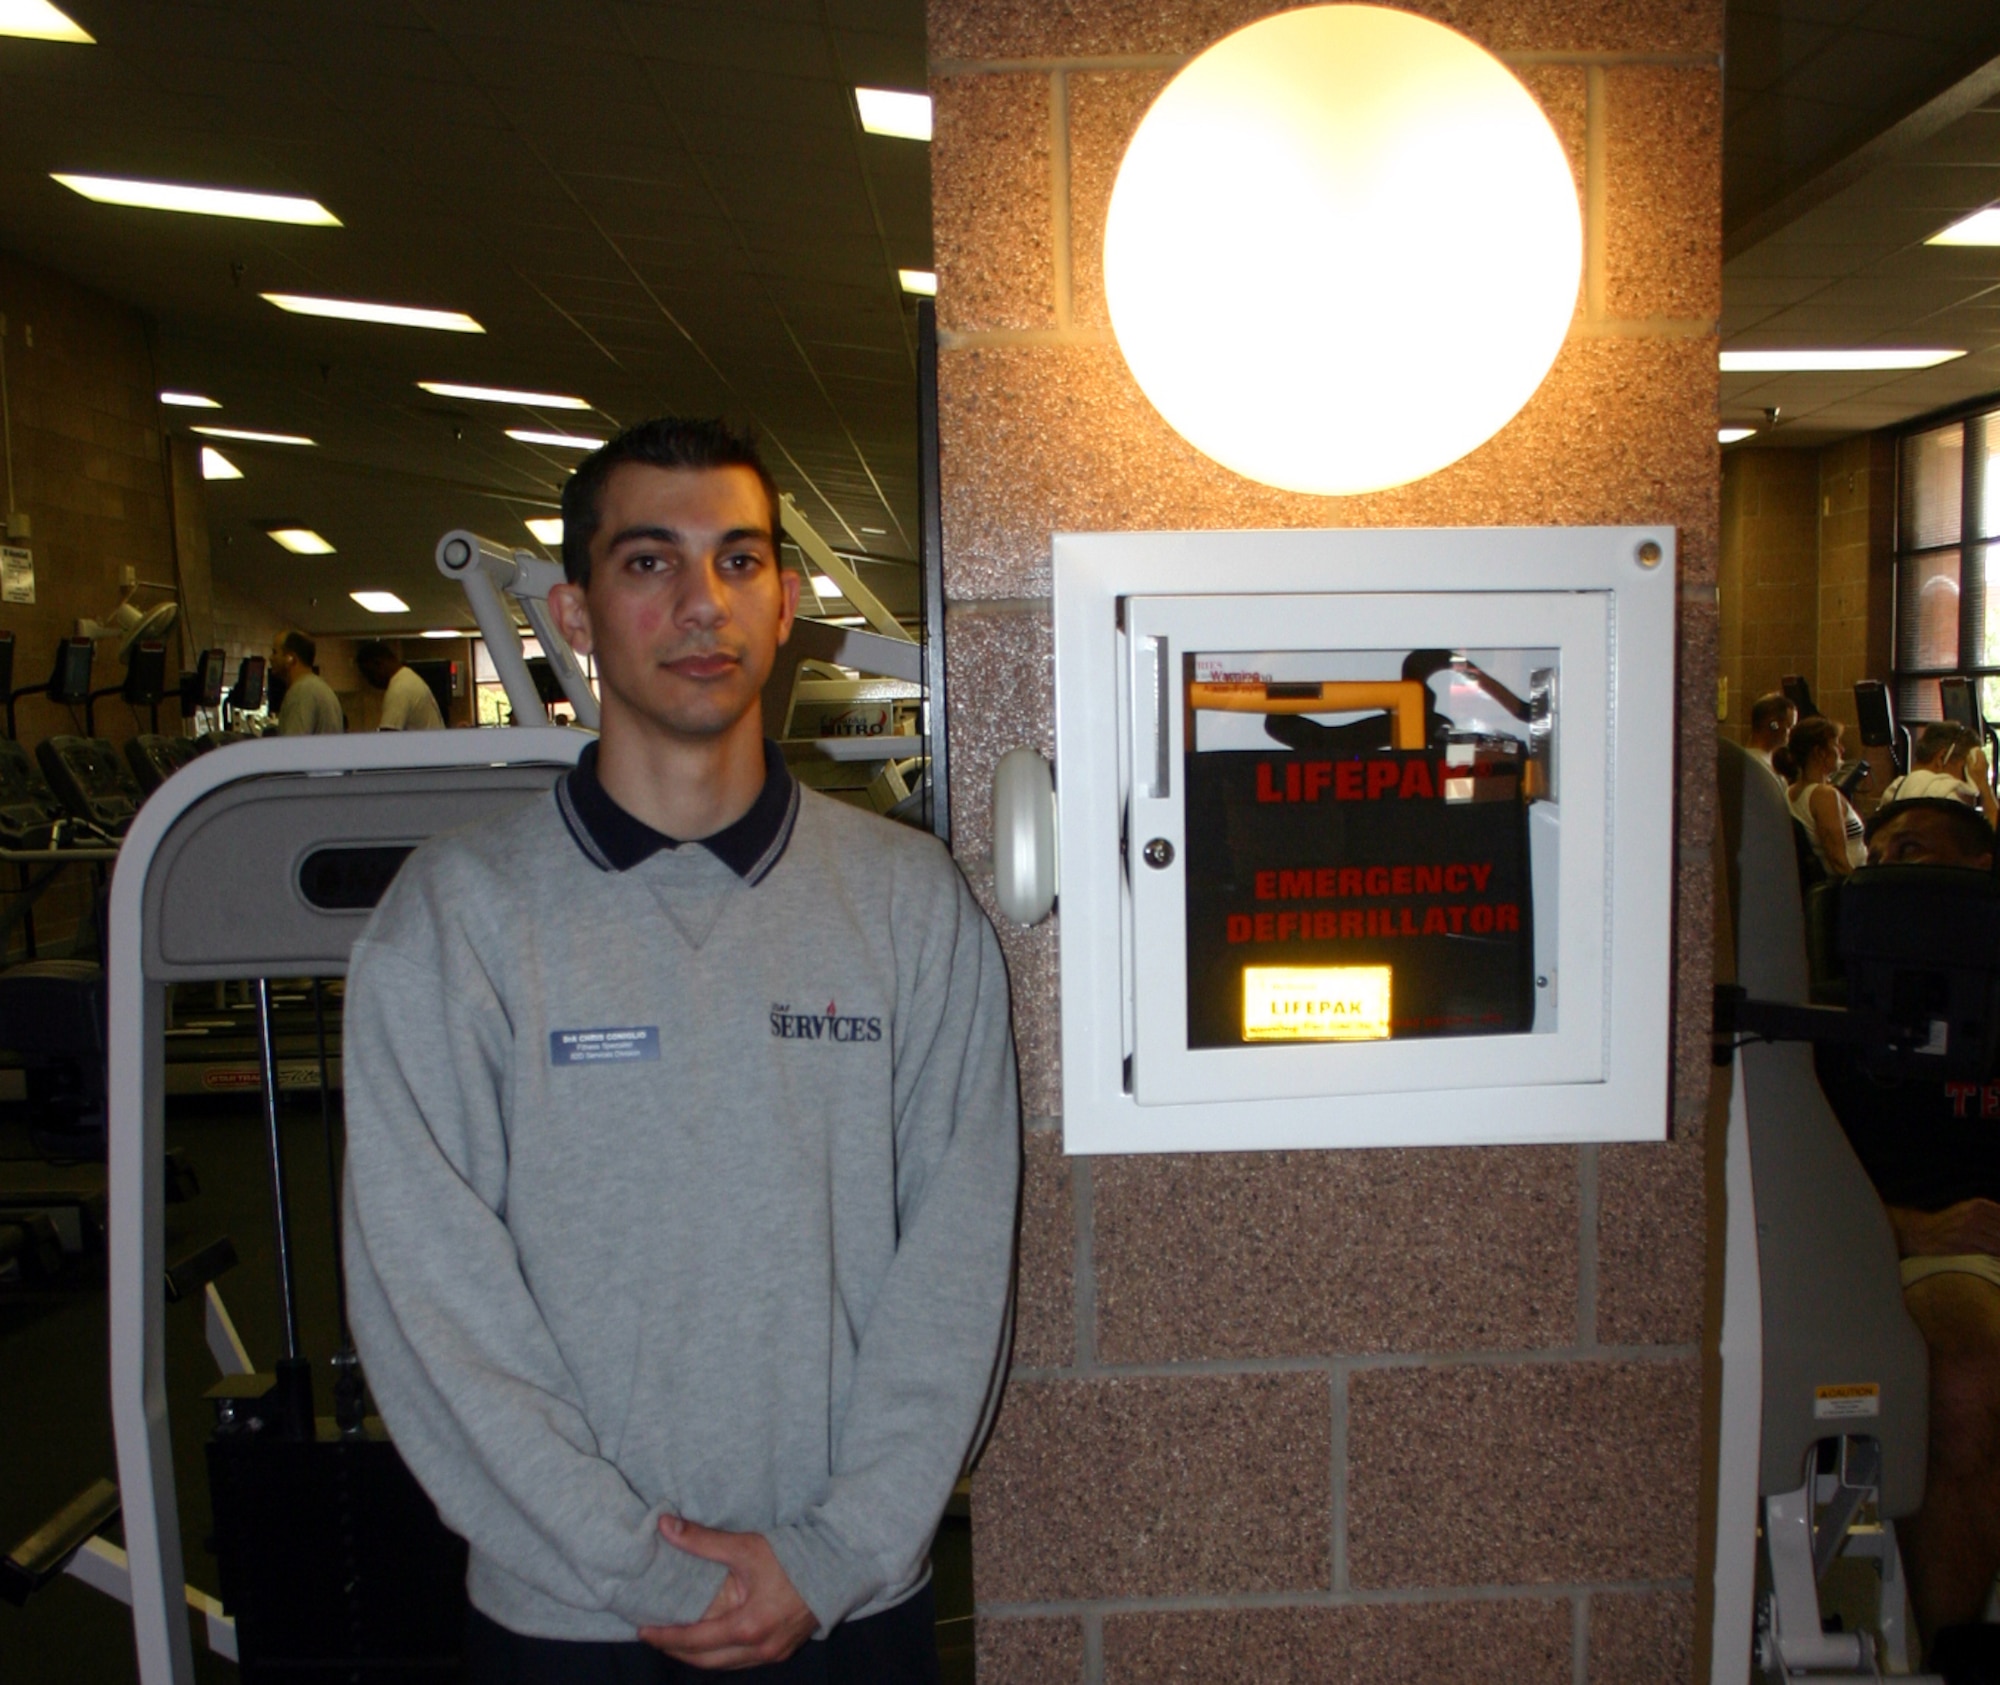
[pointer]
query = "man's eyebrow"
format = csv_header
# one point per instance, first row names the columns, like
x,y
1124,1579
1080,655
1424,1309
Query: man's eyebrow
x,y
659,535
671,535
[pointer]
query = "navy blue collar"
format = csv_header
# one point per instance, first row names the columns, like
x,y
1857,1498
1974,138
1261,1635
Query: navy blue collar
x,y
615,841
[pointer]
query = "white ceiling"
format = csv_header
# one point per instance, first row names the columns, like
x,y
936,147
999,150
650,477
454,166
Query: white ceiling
x,y
1854,130
669,204
658,206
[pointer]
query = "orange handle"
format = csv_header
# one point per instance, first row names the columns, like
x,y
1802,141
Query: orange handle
x,y
1403,698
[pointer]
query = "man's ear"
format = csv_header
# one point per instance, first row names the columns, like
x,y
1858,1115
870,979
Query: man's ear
x,y
788,586
570,609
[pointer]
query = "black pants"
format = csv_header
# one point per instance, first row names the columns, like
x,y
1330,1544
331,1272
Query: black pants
x,y
896,1647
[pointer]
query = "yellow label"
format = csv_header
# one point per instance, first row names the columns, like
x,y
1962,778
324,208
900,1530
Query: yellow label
x,y
1315,1002
1855,1398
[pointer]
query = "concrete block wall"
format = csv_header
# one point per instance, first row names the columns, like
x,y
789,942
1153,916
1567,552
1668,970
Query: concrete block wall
x,y
1807,571
1364,1416
1769,584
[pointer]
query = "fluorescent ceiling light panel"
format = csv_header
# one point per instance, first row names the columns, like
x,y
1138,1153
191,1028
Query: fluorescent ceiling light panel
x,y
443,632
876,532
189,401
392,315
501,395
1822,360
824,587
563,441
547,528
37,20
380,602
252,438
921,282
216,466
888,111
301,541
1982,228
200,201
1729,435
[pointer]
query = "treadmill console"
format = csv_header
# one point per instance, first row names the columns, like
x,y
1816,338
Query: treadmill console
x,y
155,759
28,807
92,779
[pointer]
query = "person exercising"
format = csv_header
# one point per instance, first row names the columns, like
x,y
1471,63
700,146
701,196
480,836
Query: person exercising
x,y
407,702
1932,1150
683,1146
309,707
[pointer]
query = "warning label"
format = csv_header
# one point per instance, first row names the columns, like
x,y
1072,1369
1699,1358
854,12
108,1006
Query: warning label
x,y
1838,1404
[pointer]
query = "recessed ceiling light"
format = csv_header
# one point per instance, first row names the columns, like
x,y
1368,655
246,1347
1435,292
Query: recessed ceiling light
x,y
1820,360
200,201
825,587
252,438
443,632
921,282
380,602
301,541
216,466
500,395
1729,435
845,620
189,401
1982,228
888,111
564,441
876,532
547,528
394,315
37,20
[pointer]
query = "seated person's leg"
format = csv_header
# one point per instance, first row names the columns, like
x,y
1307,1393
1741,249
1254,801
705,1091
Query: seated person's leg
x,y
1952,1545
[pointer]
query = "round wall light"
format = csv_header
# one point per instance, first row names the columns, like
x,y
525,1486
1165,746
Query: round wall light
x,y
1343,249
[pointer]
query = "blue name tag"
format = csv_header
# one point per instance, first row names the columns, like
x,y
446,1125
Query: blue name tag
x,y
604,1047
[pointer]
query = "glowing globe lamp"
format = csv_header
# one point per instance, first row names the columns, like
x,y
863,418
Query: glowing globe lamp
x,y
1343,249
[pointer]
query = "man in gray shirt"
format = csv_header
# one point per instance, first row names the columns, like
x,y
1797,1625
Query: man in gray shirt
x,y
683,1150
407,702
310,709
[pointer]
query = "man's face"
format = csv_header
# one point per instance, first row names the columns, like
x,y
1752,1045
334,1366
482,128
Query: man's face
x,y
1920,838
687,604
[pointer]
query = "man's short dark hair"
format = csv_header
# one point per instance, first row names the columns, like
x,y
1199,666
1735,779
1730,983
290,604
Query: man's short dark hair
x,y
301,646
372,650
667,441
1968,824
1769,709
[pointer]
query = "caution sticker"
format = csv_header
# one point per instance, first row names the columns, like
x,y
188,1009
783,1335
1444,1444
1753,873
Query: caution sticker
x,y
1837,1404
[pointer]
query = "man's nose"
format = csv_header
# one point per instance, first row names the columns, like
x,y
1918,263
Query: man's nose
x,y
702,602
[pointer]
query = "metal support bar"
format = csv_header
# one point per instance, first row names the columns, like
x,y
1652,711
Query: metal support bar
x,y
821,555
1794,1631
104,1567
267,1064
225,1345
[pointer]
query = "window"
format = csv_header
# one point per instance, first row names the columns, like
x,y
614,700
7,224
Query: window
x,y
1948,518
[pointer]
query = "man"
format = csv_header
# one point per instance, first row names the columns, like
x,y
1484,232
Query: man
x,y
683,1148
310,709
1772,717
1933,1151
407,702
1947,761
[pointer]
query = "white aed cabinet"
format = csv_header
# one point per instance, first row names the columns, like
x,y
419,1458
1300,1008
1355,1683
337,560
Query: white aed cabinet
x,y
1366,837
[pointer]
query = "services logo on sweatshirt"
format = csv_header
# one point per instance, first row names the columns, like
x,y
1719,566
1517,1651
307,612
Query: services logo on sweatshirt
x,y
829,1025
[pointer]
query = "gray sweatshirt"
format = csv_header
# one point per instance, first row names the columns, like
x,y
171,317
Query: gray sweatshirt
x,y
670,1191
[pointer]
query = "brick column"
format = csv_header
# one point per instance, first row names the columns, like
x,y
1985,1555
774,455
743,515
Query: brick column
x,y
1368,1415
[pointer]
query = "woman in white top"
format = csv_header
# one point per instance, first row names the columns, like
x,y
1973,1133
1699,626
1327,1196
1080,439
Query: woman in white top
x,y
1835,828
1947,762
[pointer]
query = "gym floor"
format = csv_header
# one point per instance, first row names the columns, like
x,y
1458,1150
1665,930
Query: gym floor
x,y
55,1424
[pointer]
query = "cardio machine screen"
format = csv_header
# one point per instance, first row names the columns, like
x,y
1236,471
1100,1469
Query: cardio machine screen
x,y
1362,841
